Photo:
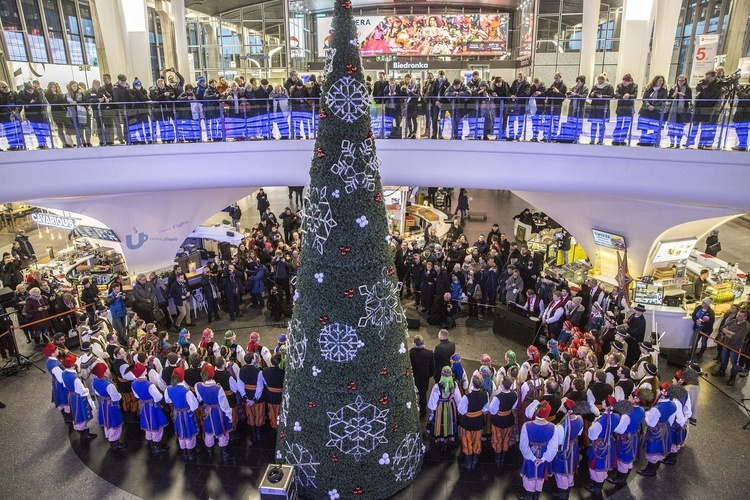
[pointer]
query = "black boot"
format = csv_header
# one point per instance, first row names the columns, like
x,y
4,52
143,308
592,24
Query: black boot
x,y
561,494
66,417
620,479
117,446
474,460
210,451
185,455
225,455
499,459
159,448
191,455
465,462
731,379
649,471
595,488
86,436
670,459
526,495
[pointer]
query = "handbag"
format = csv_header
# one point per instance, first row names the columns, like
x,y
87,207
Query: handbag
x,y
158,314
716,247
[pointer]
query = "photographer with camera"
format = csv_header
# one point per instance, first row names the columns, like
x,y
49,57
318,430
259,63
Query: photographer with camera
x,y
175,81
706,112
741,119
118,310
484,107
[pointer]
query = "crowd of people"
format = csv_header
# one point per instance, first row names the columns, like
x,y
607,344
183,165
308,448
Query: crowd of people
x,y
171,110
563,410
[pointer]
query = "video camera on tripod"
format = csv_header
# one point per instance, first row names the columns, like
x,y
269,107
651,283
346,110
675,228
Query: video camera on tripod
x,y
729,83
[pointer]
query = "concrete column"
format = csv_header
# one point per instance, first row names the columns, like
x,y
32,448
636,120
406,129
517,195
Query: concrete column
x,y
180,38
665,28
589,27
635,35
124,36
735,36
167,34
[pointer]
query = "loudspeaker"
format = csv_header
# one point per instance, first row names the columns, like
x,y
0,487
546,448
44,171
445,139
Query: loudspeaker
x,y
6,297
413,324
678,358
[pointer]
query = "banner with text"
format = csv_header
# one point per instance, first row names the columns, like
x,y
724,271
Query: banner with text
x,y
706,48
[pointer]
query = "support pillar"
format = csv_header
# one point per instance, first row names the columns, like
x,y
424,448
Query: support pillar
x,y
637,21
124,34
180,38
665,28
739,11
589,27
110,37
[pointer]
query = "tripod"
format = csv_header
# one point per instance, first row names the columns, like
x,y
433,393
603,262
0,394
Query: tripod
x,y
18,361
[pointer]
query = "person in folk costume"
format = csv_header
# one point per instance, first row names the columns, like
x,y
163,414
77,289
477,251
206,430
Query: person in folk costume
x,y
575,370
611,367
566,334
565,464
185,345
638,371
488,386
551,396
124,377
236,352
534,303
211,347
471,407
153,368
503,419
510,360
459,374
281,343
99,344
599,390
253,346
531,390
113,343
534,357
689,377
108,405
553,315
554,351
657,441
171,362
628,434
250,376
618,347
602,449
538,445
271,386
442,423
233,367
228,383
153,420
679,431
217,415
555,374
577,391
486,360
624,386
103,322
651,380
55,369
184,404
78,399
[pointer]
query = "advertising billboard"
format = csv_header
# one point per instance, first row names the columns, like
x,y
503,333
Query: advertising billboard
x,y
608,240
426,35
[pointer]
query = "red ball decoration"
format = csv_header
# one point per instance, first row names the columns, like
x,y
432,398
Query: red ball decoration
x,y
370,135
379,198
311,404
406,373
350,69
384,371
281,434
390,270
349,293
321,154
358,490
323,114
334,458
346,4
344,250
395,428
383,400
323,320
352,386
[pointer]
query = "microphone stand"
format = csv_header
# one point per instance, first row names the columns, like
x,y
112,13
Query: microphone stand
x,y
18,361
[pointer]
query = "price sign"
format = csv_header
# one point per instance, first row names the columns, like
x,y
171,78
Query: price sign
x,y
706,48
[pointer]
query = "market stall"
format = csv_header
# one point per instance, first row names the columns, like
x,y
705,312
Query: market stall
x,y
416,220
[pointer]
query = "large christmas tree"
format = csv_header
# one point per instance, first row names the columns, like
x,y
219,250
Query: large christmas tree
x,y
349,420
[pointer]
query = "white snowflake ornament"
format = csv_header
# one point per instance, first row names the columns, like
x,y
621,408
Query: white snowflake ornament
x,y
328,67
319,277
284,410
336,193
317,220
339,343
354,42
296,344
295,297
357,428
362,221
297,426
408,405
408,456
348,99
382,304
302,459
279,455
402,348
333,494
385,459
315,371
357,174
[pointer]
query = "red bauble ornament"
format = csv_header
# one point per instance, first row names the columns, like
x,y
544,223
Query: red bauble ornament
x,y
358,490
384,371
370,135
349,293
350,69
383,400
323,320
281,434
406,373
390,270
321,154
379,198
334,459
323,114
311,404
344,250
346,4
352,386
395,428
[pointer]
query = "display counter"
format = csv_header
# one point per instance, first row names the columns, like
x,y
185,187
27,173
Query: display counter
x,y
416,220
674,322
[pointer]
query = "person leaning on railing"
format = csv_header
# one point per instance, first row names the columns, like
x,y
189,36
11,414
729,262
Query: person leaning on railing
x,y
706,111
56,99
741,119
554,98
681,101
33,103
600,95
625,93
650,115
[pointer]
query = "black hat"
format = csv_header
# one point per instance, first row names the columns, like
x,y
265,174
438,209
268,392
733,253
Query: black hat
x,y
639,308
651,369
456,81
618,346
28,85
95,330
647,345
122,78
622,331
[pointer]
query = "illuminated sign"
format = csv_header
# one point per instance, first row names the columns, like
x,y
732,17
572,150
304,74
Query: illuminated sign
x,y
608,240
53,220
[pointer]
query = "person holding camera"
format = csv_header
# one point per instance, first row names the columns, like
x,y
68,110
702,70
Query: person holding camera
x,y
118,310
741,120
180,293
706,112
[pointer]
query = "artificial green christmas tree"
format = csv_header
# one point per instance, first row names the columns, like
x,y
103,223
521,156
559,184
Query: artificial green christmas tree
x,y
349,420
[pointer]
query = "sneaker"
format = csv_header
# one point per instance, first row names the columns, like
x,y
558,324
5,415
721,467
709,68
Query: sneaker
x,y
693,421
743,373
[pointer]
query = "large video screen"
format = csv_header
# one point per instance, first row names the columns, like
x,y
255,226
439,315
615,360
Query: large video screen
x,y
609,240
426,35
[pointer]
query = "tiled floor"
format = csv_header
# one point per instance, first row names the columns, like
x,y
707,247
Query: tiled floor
x,y
42,459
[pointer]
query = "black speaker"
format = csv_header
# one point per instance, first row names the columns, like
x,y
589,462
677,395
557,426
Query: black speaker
x,y
6,297
413,324
678,358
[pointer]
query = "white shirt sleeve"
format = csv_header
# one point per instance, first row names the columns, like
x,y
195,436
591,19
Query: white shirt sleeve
x,y
687,408
260,384
590,397
587,377
494,406
192,401
167,399
524,391
566,384
155,393
434,396
240,355
217,350
552,446
57,372
594,430
97,350
623,425
619,393
192,349
224,405
80,388
610,380
155,378
531,409
678,416
652,417
197,394
233,385
266,355
463,405
126,374
112,392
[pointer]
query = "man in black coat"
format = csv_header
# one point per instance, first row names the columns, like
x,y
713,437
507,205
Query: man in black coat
x,y
423,367
637,324
443,352
703,321
234,289
441,312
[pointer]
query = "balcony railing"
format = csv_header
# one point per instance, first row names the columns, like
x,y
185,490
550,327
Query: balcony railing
x,y
653,123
